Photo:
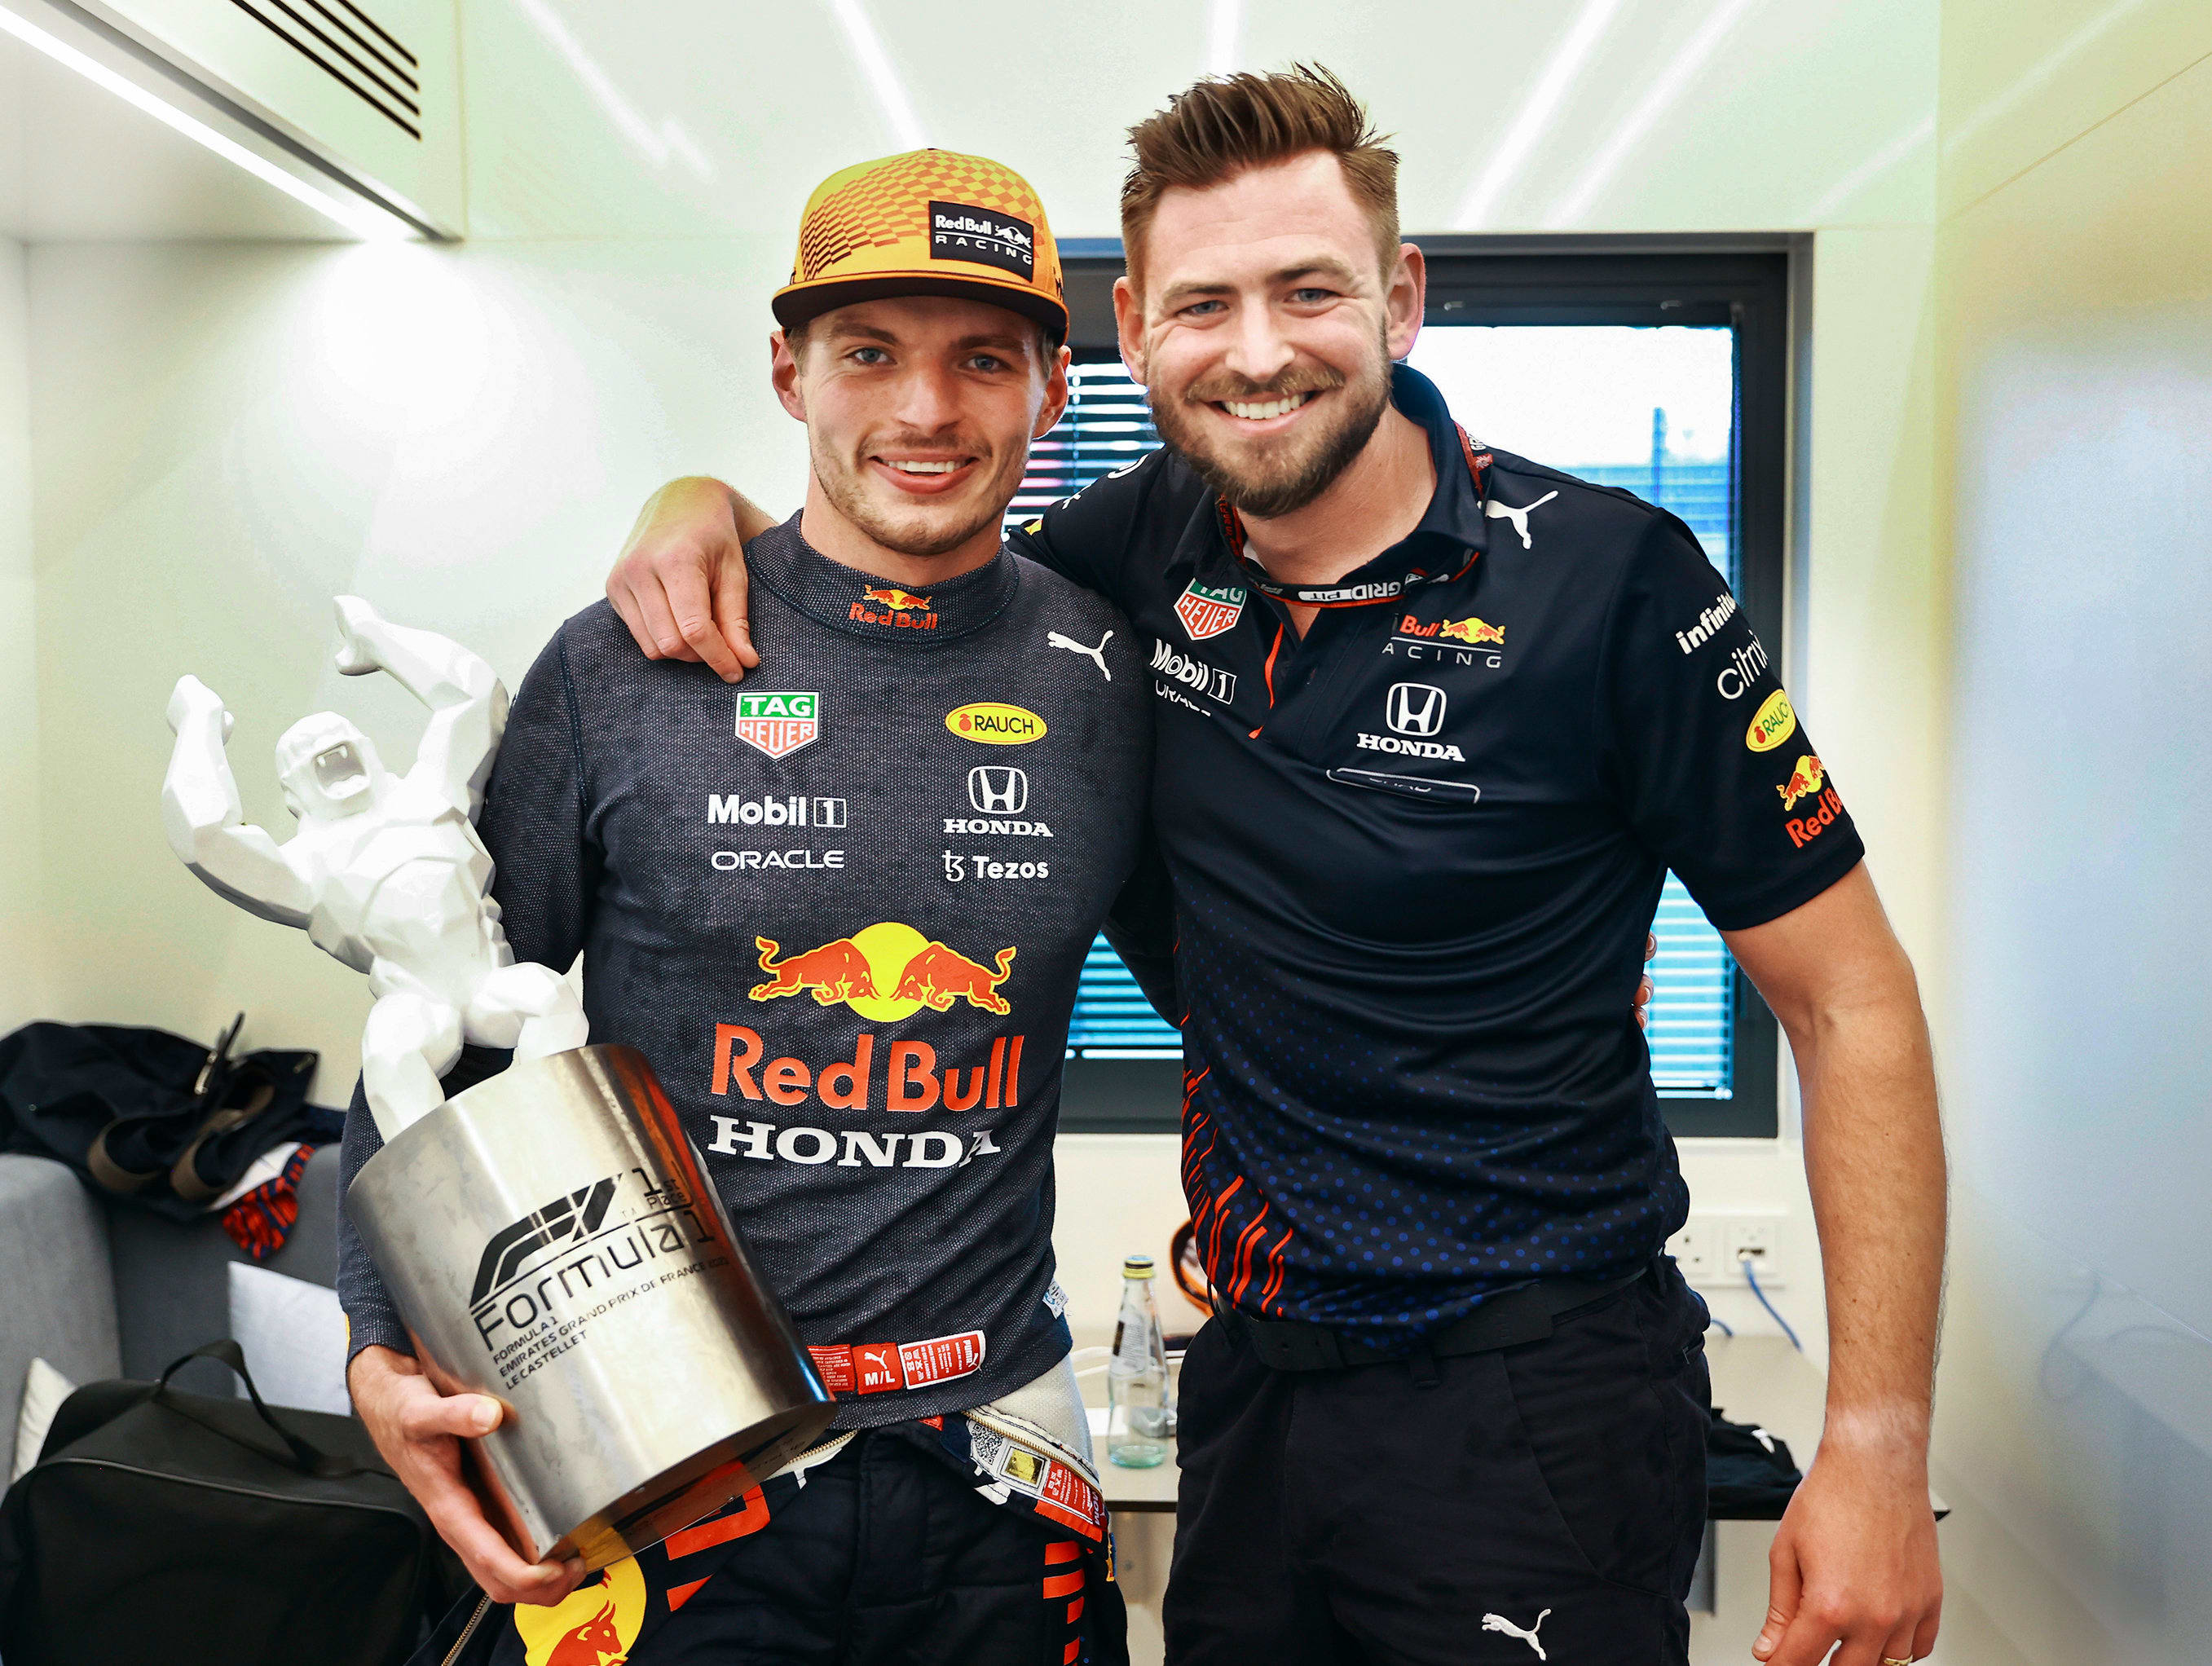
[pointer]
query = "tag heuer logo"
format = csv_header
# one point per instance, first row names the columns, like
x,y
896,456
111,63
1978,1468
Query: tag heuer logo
x,y
779,724
1208,610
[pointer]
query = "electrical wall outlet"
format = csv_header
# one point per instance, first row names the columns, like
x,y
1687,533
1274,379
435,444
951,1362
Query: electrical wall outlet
x,y
1713,1249
1689,1248
1752,1243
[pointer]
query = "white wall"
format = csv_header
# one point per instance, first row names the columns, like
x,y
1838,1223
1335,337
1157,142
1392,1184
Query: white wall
x,y
226,433
22,917
2074,1416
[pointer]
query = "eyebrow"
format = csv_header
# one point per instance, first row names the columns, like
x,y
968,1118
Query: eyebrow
x,y
1336,269
1010,340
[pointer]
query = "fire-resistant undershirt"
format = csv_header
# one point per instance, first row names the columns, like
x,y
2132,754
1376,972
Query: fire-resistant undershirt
x,y
1414,857
841,908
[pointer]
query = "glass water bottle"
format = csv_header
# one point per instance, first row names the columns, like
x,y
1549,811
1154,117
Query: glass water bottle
x,y
1138,1419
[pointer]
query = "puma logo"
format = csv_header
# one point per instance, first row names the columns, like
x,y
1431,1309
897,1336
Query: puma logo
x,y
1498,1622
1097,653
1498,511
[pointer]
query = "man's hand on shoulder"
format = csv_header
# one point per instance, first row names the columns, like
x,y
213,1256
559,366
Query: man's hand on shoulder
x,y
419,1432
679,584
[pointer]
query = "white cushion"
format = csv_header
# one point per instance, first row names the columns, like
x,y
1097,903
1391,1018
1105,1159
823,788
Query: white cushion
x,y
43,1391
294,1338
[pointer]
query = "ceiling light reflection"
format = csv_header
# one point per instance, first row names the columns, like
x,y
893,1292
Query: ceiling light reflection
x,y
1534,115
1224,22
1662,92
362,217
876,63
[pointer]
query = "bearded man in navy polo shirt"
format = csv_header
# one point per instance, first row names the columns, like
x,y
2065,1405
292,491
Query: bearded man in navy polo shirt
x,y
1432,722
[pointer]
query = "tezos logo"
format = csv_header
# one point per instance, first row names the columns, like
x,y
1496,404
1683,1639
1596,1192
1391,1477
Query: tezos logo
x,y
779,724
961,231
566,1220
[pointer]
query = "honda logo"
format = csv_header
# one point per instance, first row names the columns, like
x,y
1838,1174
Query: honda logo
x,y
1416,707
997,791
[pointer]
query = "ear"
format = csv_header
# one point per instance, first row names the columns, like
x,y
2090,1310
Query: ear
x,y
1055,395
783,374
1406,300
1129,328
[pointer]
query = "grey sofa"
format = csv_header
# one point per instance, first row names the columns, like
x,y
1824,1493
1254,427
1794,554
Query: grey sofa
x,y
100,1288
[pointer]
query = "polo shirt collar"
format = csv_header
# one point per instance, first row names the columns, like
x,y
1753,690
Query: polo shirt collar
x,y
1453,531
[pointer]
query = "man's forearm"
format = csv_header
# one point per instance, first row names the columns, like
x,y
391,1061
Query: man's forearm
x,y
1874,1155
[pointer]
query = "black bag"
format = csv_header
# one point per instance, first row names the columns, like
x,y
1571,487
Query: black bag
x,y
180,1528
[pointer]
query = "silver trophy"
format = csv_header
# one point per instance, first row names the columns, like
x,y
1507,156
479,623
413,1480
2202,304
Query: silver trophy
x,y
550,1235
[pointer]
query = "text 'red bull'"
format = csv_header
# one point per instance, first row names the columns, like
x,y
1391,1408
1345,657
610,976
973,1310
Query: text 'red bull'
x,y
912,1079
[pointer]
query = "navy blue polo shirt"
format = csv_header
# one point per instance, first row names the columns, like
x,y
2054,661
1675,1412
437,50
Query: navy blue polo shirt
x,y
1415,854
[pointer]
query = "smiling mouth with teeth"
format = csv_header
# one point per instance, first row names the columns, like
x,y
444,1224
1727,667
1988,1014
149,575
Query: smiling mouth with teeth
x,y
905,466
1259,411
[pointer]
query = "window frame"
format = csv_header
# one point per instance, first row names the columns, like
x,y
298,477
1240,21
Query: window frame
x,y
1485,280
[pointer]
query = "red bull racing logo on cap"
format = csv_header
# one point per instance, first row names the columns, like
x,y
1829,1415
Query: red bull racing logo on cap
x,y
779,724
1207,610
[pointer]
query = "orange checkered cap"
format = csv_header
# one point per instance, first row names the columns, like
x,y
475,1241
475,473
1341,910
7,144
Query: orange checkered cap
x,y
929,222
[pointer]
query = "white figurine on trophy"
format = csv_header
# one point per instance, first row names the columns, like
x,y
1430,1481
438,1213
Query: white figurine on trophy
x,y
550,1235
386,872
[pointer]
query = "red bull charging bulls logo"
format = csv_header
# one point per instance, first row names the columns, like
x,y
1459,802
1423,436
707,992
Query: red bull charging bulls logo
x,y
887,971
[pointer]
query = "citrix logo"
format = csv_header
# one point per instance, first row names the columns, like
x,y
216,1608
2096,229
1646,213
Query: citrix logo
x,y
569,1219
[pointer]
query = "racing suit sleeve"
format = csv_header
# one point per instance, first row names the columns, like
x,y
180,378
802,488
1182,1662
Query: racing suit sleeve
x,y
1711,764
533,823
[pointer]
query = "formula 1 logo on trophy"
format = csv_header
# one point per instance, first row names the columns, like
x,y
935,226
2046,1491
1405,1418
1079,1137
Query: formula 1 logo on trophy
x,y
549,1235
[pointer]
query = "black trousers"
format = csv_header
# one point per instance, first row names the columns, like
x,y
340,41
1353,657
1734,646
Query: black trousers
x,y
1544,1501
886,1557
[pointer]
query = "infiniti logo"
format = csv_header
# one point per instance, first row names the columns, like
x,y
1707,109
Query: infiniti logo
x,y
998,791
1416,708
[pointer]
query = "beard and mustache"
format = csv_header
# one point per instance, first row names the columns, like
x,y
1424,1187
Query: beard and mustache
x,y
1270,476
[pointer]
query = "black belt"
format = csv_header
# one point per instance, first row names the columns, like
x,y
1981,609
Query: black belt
x,y
1523,1315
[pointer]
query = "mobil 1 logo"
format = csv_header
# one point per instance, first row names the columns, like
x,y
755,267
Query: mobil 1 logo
x,y
961,231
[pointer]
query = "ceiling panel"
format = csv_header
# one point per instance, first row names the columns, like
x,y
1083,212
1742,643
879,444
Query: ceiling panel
x,y
78,163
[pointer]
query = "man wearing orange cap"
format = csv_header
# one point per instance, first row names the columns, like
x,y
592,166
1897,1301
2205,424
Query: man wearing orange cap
x,y
843,910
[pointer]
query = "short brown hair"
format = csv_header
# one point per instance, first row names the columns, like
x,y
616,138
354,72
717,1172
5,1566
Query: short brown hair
x,y
1223,125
